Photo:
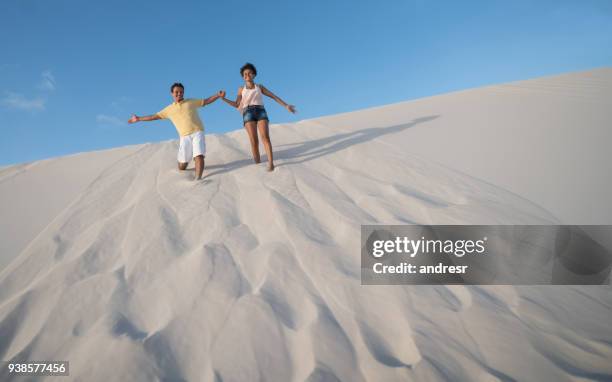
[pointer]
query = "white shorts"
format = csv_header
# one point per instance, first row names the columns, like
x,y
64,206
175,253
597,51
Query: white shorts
x,y
190,146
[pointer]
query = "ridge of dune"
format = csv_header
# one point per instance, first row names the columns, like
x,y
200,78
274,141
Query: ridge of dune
x,y
250,275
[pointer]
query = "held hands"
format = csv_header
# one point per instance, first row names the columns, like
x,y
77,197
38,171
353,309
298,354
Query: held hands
x,y
290,108
221,94
133,119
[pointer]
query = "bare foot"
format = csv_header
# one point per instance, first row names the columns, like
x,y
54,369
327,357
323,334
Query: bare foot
x,y
271,167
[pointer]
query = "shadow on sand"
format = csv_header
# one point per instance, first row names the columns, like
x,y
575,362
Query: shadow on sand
x,y
305,151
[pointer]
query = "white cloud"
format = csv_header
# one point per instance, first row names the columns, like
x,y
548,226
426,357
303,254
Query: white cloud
x,y
48,81
109,120
19,102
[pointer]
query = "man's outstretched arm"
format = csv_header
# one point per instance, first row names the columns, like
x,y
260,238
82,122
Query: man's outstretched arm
x,y
211,99
136,118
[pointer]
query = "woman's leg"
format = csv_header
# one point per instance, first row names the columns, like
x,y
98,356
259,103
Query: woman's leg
x,y
251,128
264,132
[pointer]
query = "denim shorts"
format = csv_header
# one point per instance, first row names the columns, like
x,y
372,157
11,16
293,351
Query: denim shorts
x,y
254,113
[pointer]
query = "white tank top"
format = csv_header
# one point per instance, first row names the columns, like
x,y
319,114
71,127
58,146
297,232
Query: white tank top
x,y
251,97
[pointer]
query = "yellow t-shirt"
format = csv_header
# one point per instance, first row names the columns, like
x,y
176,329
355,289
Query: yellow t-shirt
x,y
184,116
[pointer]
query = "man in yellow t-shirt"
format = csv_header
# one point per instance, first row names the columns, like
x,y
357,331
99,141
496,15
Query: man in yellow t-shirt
x,y
184,115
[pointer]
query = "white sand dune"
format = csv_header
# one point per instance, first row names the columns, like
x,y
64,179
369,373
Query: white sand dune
x,y
122,265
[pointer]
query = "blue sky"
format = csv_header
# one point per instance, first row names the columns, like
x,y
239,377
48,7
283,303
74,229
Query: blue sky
x,y
72,72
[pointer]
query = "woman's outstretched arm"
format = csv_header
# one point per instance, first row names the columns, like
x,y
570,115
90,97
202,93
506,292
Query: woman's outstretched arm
x,y
238,99
267,92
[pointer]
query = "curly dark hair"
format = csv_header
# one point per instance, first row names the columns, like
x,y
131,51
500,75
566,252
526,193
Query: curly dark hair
x,y
176,84
246,66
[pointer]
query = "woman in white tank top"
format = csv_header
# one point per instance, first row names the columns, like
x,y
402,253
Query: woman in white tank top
x,y
250,103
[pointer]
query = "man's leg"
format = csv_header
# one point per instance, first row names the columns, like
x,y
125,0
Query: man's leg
x,y
199,166
184,153
199,150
